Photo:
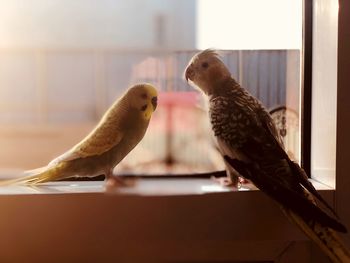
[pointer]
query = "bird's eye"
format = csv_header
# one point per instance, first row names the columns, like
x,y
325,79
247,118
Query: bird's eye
x,y
205,65
144,107
144,95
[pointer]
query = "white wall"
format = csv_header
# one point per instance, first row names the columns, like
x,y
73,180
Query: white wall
x,y
90,23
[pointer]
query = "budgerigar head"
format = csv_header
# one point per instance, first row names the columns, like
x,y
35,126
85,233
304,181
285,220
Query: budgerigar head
x,y
205,69
143,98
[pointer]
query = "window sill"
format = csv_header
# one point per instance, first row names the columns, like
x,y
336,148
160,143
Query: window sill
x,y
157,220
140,186
324,176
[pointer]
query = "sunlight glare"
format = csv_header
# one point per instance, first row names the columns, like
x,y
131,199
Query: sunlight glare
x,y
249,24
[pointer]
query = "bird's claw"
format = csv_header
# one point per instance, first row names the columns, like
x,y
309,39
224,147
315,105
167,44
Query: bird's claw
x,y
227,182
118,181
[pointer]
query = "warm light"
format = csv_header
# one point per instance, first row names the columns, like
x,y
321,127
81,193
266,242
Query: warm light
x,y
214,188
249,24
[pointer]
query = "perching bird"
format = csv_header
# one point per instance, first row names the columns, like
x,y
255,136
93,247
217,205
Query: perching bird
x,y
118,132
248,139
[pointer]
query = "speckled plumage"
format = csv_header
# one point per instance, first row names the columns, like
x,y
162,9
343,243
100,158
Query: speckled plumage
x,y
252,148
235,114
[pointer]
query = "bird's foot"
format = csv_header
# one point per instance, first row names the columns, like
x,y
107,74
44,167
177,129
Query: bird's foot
x,y
228,182
243,181
118,181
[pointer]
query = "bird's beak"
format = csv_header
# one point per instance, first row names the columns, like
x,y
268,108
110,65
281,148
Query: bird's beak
x,y
189,73
154,103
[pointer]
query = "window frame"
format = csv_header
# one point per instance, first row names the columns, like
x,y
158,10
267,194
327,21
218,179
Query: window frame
x,y
306,87
343,125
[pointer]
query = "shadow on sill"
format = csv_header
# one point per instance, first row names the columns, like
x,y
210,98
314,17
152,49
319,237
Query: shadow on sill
x,y
152,176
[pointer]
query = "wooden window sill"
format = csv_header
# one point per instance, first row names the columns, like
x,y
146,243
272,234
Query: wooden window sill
x,y
156,220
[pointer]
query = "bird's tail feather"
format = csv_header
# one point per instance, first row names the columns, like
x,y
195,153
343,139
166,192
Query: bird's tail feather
x,y
300,173
32,177
326,238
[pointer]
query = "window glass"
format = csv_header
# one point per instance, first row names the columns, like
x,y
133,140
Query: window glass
x,y
63,63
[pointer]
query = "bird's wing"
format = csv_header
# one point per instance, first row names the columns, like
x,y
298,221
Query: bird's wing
x,y
296,170
100,140
289,195
280,177
246,128
258,139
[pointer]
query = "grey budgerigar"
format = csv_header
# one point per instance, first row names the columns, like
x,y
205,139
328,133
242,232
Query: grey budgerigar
x,y
250,144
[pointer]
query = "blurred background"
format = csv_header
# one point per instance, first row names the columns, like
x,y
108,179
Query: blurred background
x,y
63,63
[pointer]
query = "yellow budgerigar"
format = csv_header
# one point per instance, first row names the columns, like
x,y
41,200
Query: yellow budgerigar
x,y
121,128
